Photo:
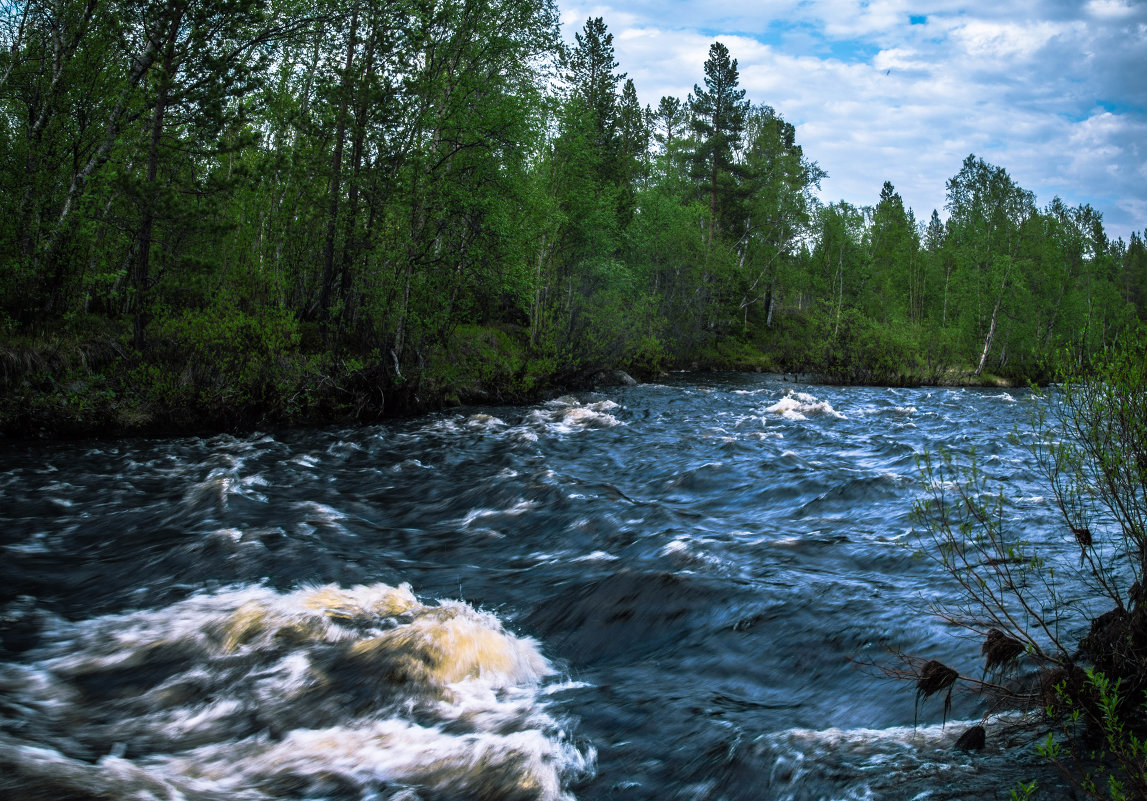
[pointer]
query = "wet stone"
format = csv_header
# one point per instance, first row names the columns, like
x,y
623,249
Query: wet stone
x,y
971,740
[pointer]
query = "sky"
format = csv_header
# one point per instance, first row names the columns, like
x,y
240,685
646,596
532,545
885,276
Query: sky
x,y
886,90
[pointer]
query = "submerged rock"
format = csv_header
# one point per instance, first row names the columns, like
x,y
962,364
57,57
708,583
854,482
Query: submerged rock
x,y
20,625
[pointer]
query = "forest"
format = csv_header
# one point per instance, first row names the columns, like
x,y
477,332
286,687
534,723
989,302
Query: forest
x,y
242,212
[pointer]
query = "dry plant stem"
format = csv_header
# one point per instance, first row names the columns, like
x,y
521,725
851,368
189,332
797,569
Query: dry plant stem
x,y
913,672
1062,473
989,593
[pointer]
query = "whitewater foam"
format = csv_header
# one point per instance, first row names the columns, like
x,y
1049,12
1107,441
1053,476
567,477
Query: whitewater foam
x,y
245,692
799,405
567,415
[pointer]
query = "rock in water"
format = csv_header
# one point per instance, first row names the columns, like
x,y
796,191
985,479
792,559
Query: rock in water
x,y
972,739
613,378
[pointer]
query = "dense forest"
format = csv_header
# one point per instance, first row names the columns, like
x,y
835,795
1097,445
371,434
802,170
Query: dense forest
x,y
229,212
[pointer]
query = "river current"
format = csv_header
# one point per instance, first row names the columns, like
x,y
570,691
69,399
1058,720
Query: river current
x,y
653,592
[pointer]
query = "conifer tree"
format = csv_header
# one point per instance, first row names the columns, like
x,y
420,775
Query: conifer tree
x,y
670,121
895,293
591,74
718,121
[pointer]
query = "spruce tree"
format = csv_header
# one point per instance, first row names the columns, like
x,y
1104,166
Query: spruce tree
x,y
718,120
591,74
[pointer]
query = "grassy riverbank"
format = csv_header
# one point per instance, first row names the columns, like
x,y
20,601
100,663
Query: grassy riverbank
x,y
244,373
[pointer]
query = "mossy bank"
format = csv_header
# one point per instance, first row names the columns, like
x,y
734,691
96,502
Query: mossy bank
x,y
240,373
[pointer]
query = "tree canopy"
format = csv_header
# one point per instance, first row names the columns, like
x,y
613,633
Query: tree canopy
x,y
284,204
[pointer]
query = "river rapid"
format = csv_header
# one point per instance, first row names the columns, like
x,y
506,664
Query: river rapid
x,y
652,592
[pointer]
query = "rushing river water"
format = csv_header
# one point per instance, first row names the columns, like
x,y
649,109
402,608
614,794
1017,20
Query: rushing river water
x,y
648,593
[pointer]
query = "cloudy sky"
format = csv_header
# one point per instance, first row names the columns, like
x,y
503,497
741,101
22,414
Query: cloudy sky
x,y
1053,91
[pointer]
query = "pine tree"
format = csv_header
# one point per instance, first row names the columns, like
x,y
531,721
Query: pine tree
x,y
718,120
591,74
670,122
632,149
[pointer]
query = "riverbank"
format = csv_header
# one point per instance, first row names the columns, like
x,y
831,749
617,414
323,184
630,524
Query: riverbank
x,y
99,386
69,386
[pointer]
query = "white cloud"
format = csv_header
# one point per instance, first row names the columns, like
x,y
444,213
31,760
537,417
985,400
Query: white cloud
x,y
901,58
1110,9
1005,42
1052,92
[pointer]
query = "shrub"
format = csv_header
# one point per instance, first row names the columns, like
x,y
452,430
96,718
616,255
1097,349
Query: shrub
x,y
1028,599
226,358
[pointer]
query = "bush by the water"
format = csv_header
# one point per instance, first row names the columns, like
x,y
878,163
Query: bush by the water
x,y
1027,600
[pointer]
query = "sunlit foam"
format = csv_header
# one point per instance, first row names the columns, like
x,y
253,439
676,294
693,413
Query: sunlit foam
x,y
483,422
243,692
450,643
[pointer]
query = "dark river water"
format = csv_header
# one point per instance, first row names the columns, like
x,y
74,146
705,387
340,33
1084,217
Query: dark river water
x,y
655,592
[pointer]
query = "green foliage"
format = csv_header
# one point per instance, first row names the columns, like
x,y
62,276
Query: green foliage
x,y
230,359
1099,751
477,358
860,350
224,176
734,354
619,321
1022,792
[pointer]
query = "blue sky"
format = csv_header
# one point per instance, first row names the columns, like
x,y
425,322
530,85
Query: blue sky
x,y
1054,92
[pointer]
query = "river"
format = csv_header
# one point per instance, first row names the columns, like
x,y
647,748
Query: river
x,y
653,592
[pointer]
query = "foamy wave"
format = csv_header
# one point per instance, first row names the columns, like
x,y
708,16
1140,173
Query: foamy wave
x,y
567,415
799,405
391,752
901,761
478,515
240,693
597,556
483,422
763,435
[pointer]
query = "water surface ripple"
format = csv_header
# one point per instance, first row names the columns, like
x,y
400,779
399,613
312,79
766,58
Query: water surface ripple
x,y
644,594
